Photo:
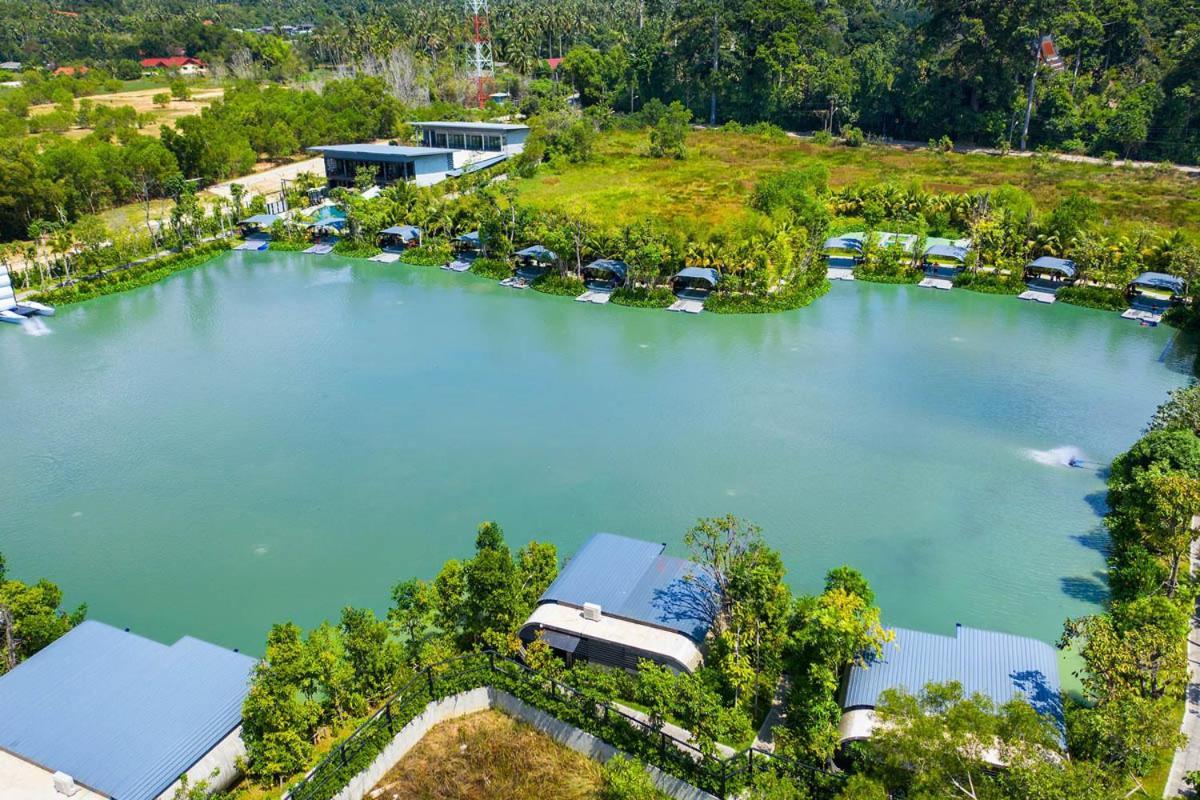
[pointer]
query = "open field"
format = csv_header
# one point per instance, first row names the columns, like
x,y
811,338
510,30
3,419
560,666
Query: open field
x,y
142,101
489,755
710,186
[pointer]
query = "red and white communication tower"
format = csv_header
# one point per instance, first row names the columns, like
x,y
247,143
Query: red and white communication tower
x,y
479,51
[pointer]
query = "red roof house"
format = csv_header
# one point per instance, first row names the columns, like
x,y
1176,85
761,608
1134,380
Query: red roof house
x,y
172,62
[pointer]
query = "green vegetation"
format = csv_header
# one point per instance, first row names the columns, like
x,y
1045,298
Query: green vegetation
x,y
131,277
493,268
489,755
563,285
353,249
1093,297
643,298
990,282
31,617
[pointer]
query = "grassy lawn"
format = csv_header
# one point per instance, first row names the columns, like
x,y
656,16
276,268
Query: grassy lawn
x,y
710,186
489,755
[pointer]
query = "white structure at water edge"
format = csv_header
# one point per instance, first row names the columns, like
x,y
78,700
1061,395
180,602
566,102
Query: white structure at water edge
x,y
103,713
10,309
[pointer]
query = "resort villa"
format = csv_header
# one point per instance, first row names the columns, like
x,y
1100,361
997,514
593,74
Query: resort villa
x,y
1000,666
1152,294
531,263
183,65
691,287
103,713
601,278
620,600
473,141
467,248
842,254
1044,276
399,238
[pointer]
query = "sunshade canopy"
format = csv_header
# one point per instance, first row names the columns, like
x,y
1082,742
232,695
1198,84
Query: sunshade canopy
x,y
706,274
1052,264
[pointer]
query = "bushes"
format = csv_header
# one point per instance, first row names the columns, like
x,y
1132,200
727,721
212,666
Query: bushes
x,y
788,298
131,277
433,254
353,249
626,779
989,282
643,297
494,268
564,285
1093,297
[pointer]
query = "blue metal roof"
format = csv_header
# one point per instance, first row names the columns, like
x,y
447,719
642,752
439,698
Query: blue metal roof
x,y
470,238
405,232
1160,280
998,665
947,251
538,253
618,268
699,273
123,715
1053,264
843,243
260,219
633,580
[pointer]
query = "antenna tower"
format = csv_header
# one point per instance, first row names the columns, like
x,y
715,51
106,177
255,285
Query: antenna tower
x,y
479,51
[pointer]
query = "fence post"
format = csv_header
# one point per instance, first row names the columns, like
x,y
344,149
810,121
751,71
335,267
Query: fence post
x,y
432,691
662,744
492,660
388,711
750,763
724,768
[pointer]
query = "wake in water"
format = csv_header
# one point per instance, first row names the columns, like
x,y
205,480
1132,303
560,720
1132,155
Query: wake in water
x,y
330,277
1058,457
35,326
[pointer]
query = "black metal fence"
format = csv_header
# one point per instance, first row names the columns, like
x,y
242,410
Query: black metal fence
x,y
584,709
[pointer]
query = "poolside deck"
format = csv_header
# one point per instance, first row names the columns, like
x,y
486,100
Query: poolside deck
x,y
1038,296
593,296
687,306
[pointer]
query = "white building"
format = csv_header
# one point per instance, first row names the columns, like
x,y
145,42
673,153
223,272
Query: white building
x,y
102,713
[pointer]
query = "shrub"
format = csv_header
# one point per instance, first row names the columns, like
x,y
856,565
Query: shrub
x,y
1093,297
131,277
643,297
494,268
430,254
353,249
788,298
564,285
822,137
989,282
852,136
626,779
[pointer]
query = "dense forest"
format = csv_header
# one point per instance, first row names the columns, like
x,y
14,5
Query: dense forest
x,y
906,69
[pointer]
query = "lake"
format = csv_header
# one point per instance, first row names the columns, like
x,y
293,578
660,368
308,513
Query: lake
x,y
273,436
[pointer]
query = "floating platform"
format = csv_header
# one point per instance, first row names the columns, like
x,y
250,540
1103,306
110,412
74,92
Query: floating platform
x,y
515,282
592,296
1037,297
687,306
937,283
457,266
320,250
28,308
839,274
385,258
11,317
253,244
1145,317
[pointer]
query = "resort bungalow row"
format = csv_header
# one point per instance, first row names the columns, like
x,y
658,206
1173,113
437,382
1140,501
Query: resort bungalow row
x,y
104,714
620,600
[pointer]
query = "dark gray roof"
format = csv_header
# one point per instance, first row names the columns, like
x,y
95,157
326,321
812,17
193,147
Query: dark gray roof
x,y
1052,264
538,253
610,265
121,714
998,665
699,273
379,152
475,126
1160,280
633,580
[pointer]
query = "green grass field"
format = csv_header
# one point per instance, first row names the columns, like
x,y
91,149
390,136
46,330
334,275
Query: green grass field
x,y
710,186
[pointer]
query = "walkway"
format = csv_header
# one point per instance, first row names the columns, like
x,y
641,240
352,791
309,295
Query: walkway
x,y
765,740
1187,758
674,731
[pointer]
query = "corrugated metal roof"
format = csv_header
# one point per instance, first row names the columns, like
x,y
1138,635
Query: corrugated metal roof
x,y
121,714
1160,280
405,232
379,152
633,580
946,251
609,265
537,252
475,126
708,274
1053,264
998,665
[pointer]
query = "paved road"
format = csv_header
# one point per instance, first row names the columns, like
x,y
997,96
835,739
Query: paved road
x,y
1187,758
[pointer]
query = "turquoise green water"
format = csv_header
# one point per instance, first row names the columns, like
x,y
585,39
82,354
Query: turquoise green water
x,y
274,436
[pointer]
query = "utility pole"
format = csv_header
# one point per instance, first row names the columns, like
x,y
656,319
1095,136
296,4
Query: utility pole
x,y
479,50
1037,60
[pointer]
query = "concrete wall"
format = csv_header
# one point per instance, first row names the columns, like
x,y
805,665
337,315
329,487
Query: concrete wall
x,y
222,758
480,700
